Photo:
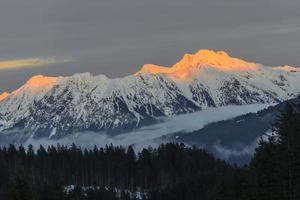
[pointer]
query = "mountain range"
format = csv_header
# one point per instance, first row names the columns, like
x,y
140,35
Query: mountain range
x,y
54,107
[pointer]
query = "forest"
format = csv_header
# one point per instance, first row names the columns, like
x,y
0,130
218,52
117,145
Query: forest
x,y
170,172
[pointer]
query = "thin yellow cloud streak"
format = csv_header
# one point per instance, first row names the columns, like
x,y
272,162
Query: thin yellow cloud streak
x,y
28,62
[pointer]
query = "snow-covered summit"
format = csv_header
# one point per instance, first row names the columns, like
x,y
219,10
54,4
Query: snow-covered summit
x,y
56,106
203,58
217,59
189,67
37,84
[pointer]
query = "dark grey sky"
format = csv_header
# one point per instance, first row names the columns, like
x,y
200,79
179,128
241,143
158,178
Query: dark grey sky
x,y
115,37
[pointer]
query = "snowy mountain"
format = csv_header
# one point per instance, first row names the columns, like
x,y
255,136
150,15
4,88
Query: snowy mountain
x,y
57,106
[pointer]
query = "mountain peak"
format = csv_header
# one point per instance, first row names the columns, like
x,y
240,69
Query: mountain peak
x,y
41,81
37,83
154,69
203,58
211,55
217,59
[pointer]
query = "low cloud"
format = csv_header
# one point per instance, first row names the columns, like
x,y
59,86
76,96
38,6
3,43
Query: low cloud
x,y
150,135
29,63
240,150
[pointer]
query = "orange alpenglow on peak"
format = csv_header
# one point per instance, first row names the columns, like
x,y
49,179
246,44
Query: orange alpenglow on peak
x,y
218,59
154,69
203,58
38,83
3,95
40,80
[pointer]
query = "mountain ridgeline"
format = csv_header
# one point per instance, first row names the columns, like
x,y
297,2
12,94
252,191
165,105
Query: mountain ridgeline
x,y
53,107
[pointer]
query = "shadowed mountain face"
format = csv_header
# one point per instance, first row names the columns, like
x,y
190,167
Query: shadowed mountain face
x,y
236,139
54,107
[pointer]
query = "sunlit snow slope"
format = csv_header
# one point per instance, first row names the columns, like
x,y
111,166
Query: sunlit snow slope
x,y
57,106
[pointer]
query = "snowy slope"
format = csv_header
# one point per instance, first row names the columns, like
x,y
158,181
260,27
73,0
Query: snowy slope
x,y
3,95
57,106
225,80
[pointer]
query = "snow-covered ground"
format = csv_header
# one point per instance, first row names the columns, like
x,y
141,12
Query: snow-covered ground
x,y
138,193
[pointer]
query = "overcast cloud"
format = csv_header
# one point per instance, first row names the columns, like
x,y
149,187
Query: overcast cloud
x,y
116,37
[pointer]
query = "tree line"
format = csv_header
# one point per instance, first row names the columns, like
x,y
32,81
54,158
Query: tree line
x,y
171,171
